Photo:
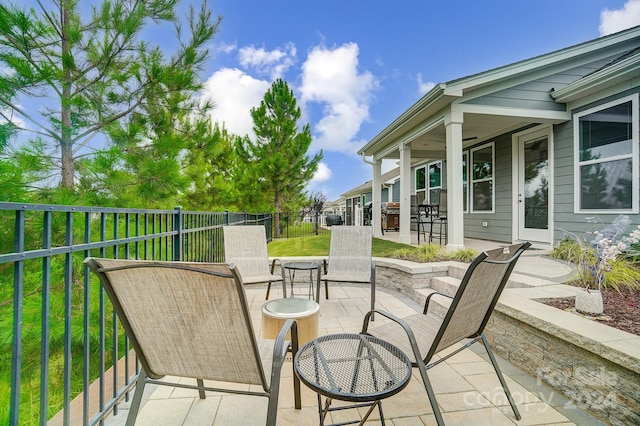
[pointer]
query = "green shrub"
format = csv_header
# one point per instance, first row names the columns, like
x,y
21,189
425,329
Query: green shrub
x,y
431,253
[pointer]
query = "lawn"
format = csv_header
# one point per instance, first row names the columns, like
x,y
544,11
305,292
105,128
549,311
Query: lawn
x,y
318,245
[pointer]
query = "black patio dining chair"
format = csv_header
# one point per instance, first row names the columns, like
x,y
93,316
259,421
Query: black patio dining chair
x,y
425,335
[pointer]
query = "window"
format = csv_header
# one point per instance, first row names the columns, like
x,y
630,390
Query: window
x,y
482,179
465,182
429,183
435,182
606,157
421,184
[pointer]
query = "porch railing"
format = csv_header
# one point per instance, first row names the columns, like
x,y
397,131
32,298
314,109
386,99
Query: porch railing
x,y
58,333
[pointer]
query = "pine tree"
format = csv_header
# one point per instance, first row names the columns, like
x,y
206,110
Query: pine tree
x,y
89,72
275,167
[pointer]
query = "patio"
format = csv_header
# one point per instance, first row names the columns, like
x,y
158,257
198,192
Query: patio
x,y
467,389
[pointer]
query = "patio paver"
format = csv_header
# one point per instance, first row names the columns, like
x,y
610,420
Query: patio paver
x,y
467,390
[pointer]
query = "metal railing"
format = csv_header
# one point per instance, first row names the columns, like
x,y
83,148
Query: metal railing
x,y
67,352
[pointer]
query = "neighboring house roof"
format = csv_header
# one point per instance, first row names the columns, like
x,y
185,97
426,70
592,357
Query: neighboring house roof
x,y
496,101
333,204
387,178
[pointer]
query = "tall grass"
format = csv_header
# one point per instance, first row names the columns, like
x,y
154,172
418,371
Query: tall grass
x,y
624,273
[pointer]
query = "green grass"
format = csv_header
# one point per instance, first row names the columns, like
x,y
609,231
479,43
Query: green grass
x,y
319,246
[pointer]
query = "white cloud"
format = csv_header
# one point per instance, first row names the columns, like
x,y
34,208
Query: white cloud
x,y
273,63
424,87
223,47
614,20
330,77
234,93
320,179
322,174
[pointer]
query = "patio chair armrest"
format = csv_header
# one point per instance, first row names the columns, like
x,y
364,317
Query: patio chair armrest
x,y
435,293
389,315
273,264
402,323
278,351
279,354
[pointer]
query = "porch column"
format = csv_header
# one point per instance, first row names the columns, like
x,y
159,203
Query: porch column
x,y
405,194
455,207
376,196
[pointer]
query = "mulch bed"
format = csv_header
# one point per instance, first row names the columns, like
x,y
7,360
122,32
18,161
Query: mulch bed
x,y
621,309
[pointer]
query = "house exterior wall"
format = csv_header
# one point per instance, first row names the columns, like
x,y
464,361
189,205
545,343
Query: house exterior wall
x,y
535,94
395,192
566,221
499,223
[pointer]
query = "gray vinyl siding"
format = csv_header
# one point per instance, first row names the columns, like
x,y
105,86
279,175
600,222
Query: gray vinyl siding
x,y
499,223
536,94
566,221
395,194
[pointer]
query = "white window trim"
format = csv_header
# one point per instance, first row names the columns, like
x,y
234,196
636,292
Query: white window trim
x,y
492,179
635,163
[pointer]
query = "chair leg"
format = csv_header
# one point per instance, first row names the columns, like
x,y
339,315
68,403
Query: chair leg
x,y
500,377
268,290
137,398
201,388
430,393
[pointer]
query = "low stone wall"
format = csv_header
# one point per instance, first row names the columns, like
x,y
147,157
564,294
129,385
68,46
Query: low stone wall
x,y
594,376
405,277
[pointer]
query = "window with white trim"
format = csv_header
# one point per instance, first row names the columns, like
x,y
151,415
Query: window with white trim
x,y
606,157
421,184
465,182
428,182
435,181
482,178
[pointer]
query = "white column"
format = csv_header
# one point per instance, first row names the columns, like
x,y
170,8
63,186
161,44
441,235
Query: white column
x,y
405,194
455,207
376,196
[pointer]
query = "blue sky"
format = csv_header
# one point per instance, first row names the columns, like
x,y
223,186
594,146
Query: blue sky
x,y
356,65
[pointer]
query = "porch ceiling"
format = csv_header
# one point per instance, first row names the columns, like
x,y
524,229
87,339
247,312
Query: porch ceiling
x,y
476,128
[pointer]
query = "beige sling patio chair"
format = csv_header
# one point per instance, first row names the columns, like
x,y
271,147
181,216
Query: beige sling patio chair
x,y
192,320
426,335
350,258
246,247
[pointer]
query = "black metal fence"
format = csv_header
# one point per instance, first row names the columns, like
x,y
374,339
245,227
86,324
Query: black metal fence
x,y
64,357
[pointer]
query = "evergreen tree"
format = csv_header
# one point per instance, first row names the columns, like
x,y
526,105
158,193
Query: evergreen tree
x,y
208,168
88,72
275,168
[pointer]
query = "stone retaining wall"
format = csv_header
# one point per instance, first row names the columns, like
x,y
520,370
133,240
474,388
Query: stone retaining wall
x,y
591,382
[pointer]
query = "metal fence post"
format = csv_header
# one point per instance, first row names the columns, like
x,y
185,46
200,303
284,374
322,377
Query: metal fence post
x,y
177,238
